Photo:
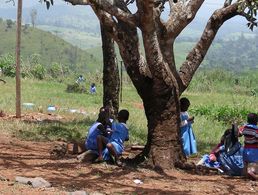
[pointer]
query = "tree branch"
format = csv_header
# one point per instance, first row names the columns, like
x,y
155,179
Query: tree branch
x,y
78,2
196,56
110,7
181,16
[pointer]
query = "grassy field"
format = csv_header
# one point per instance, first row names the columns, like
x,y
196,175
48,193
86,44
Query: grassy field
x,y
213,111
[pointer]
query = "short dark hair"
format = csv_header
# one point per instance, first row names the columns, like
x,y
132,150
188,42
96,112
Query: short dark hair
x,y
123,114
184,101
102,118
252,118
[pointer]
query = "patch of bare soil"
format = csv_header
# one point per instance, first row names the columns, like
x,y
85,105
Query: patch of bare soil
x,y
32,159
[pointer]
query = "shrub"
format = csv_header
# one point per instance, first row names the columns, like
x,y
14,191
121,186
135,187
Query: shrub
x,y
38,71
7,64
75,88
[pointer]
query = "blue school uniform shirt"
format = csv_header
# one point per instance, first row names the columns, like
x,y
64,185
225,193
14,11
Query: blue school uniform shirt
x,y
120,133
91,140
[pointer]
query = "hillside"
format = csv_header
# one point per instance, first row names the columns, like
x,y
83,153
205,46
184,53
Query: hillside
x,y
49,47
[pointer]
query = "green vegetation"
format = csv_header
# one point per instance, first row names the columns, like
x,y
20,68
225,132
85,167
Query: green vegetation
x,y
77,38
49,48
214,107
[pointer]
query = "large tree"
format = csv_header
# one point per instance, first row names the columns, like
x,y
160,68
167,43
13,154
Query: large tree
x,y
154,75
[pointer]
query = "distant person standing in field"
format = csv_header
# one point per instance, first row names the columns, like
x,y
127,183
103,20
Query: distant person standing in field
x,y
250,133
187,135
93,88
80,79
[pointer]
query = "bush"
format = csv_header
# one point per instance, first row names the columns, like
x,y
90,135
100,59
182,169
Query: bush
x,y
38,71
75,88
225,114
7,64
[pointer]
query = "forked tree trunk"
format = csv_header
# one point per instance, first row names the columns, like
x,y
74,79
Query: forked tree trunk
x,y
111,80
161,104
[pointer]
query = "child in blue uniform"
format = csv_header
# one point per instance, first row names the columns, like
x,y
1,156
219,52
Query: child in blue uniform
x,y
187,135
98,128
114,146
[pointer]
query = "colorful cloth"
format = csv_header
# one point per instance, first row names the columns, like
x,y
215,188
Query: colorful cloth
x,y
232,161
91,140
187,135
250,133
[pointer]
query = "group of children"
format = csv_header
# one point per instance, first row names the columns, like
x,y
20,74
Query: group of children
x,y
93,88
228,156
106,136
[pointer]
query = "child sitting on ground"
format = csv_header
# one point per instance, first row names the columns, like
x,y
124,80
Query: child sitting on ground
x,y
250,133
227,156
98,128
114,146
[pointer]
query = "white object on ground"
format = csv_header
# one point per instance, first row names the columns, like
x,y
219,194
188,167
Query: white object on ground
x,y
51,108
137,181
28,105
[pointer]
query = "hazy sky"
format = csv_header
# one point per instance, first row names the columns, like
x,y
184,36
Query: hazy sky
x,y
29,3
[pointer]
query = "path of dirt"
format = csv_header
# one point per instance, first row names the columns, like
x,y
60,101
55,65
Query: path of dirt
x,y
32,159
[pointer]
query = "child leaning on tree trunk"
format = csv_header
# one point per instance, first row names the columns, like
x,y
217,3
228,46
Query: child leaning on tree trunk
x,y
186,130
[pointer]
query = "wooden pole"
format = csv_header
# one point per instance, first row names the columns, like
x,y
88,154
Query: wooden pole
x,y
18,60
121,81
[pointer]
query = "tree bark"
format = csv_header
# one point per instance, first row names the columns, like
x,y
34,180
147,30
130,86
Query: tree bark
x,y
111,81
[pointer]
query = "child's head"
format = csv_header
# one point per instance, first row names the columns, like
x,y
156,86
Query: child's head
x,y
252,118
103,118
123,115
184,104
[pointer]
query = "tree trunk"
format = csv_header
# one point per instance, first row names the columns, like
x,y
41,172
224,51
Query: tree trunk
x,y
163,148
161,103
111,80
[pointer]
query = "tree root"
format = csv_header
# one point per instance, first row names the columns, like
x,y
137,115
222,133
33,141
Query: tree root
x,y
197,169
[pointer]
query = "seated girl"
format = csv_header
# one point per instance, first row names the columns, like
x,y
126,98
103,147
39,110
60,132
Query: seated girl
x,y
227,156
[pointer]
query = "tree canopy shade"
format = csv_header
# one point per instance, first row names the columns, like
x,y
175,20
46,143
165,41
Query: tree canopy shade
x,y
155,76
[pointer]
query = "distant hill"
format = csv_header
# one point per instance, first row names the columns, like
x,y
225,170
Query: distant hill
x,y
79,26
51,48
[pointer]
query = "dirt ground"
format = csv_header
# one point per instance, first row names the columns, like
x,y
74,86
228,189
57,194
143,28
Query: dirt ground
x,y
32,159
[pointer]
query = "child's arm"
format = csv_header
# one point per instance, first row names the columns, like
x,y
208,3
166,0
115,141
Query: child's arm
x,y
102,129
215,152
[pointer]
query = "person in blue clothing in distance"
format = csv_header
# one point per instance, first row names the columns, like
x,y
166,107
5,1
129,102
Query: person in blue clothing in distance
x,y
114,146
93,88
186,130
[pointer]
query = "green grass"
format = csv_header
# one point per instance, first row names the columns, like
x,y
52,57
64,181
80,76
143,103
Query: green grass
x,y
207,107
45,93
